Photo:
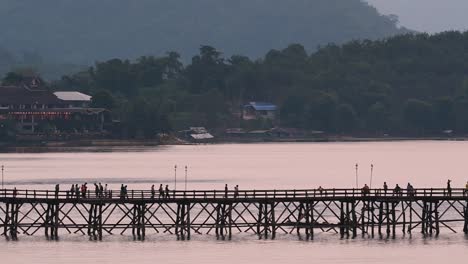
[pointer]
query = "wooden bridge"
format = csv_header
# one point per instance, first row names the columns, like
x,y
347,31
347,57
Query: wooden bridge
x,y
264,213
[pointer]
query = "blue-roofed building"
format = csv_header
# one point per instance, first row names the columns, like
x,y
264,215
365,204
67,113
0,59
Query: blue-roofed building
x,y
259,110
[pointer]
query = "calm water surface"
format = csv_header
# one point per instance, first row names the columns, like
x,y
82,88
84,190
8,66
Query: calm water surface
x,y
307,165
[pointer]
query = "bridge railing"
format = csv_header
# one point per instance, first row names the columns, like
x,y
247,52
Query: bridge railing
x,y
232,194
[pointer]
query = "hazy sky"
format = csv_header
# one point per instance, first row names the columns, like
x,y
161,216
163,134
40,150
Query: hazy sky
x,y
427,15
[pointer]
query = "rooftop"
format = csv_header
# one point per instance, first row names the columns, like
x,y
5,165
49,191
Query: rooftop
x,y
262,106
73,96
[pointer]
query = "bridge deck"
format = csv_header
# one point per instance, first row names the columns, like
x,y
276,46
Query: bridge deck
x,y
261,212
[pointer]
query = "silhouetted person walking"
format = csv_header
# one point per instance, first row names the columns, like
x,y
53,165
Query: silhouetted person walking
x,y
449,188
385,187
236,191
167,192
153,191
161,191
72,191
57,189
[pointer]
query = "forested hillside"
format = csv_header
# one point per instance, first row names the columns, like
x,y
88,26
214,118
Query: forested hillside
x,y
406,85
88,30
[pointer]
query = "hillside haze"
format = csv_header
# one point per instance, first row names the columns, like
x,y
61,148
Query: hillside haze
x,y
88,30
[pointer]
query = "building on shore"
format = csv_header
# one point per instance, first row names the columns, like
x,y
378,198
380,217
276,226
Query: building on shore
x,y
197,134
259,110
34,109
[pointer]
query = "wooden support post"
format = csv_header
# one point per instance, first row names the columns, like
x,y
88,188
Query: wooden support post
x,y
436,218
355,221
265,221
423,218
403,213
312,220
394,220
188,221
100,222
90,219
259,220
47,220
387,213
342,220
7,220
363,216
381,212
300,216
372,215
465,226
410,225
430,218
273,221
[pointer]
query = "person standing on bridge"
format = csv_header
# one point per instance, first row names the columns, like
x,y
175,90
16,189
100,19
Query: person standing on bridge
x,y
77,191
72,191
236,191
161,191
101,190
167,192
84,189
57,188
397,190
122,192
365,190
466,188
96,190
385,188
449,188
153,191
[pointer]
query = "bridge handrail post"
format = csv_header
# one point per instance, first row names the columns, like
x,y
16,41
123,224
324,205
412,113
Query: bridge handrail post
x,y
274,193
266,194
204,195
142,195
26,193
214,194
294,193
307,194
333,192
346,193
34,194
254,194
47,194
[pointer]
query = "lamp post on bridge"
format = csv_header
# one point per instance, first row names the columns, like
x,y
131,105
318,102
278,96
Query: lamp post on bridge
x,y
371,174
3,168
357,181
175,177
185,177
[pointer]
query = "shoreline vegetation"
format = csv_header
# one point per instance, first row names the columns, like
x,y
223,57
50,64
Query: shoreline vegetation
x,y
76,145
413,85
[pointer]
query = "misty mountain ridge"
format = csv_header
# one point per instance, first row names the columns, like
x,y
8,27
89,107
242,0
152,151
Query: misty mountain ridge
x,y
88,30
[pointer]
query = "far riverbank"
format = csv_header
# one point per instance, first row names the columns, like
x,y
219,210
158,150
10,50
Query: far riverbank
x,y
89,144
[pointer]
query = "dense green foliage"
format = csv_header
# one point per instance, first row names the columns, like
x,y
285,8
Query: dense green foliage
x,y
88,30
405,85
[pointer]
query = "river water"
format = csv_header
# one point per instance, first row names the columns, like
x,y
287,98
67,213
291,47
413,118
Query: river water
x,y
251,166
